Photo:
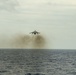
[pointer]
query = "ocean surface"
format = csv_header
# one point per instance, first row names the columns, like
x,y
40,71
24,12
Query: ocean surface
x,y
37,62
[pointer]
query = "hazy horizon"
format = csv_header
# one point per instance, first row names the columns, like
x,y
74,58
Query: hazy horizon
x,y
54,19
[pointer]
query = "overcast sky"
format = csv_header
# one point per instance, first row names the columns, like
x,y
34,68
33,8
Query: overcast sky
x,y
55,19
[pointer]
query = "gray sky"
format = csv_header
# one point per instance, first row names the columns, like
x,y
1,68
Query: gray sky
x,y
55,19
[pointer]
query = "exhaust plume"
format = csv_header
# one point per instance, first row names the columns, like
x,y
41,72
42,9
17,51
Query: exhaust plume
x,y
21,41
38,41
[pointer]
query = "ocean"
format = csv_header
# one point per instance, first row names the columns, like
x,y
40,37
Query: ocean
x,y
37,62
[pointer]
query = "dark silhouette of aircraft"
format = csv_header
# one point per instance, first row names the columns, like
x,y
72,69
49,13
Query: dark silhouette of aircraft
x,y
35,32
28,74
34,74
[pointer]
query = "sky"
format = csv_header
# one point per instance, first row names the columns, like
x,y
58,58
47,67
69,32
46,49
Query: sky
x,y
55,19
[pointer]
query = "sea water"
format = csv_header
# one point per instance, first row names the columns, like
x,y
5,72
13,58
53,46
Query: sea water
x,y
37,62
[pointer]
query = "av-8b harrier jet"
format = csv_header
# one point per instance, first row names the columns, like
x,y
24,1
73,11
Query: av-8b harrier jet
x,y
35,32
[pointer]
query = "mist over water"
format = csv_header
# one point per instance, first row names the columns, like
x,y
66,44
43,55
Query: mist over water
x,y
22,41
28,41
38,41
